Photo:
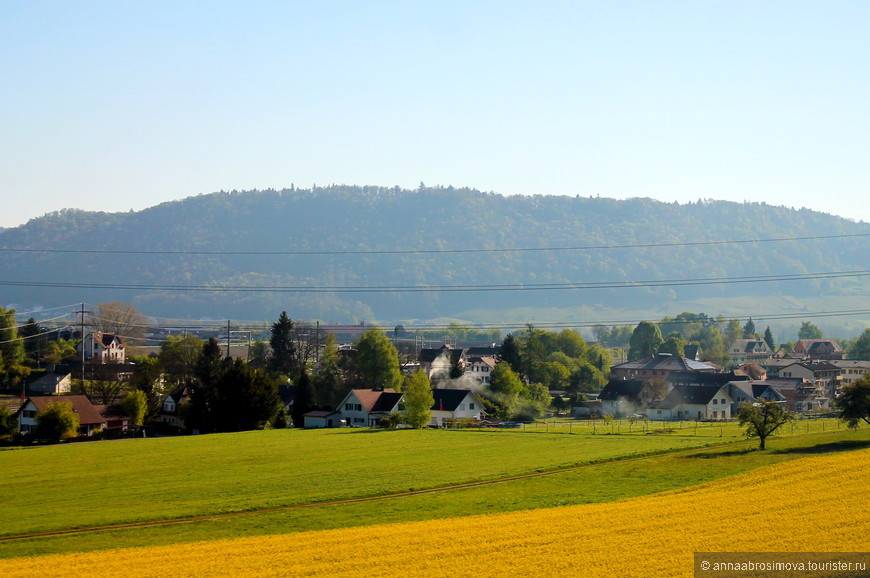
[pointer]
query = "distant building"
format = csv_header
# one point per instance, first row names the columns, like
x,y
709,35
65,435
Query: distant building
x,y
102,348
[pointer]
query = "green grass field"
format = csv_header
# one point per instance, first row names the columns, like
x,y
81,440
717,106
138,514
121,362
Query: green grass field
x,y
88,485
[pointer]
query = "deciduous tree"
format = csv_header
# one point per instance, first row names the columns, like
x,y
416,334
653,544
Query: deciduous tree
x,y
418,399
854,402
135,405
377,361
762,418
645,341
810,330
55,422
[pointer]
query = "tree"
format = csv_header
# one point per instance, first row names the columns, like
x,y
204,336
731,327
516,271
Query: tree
x,y
652,391
12,368
504,389
645,340
304,400
59,351
135,405
146,378
510,353
418,399
34,338
749,329
55,422
241,399
675,345
768,338
178,357
762,418
104,384
810,330
854,402
282,359
203,382
118,318
377,361
860,348
327,380
7,421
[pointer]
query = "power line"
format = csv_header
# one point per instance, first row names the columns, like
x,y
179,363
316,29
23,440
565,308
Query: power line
x,y
580,285
428,251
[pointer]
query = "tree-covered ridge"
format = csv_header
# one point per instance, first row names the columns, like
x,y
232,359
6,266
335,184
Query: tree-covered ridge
x,y
350,218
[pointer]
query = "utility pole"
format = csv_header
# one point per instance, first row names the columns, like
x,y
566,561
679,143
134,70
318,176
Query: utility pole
x,y
228,338
82,313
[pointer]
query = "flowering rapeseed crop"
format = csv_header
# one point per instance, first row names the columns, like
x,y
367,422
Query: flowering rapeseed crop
x,y
813,504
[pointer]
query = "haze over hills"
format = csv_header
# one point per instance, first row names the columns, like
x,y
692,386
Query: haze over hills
x,y
299,249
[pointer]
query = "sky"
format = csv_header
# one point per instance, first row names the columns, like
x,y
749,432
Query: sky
x,y
122,105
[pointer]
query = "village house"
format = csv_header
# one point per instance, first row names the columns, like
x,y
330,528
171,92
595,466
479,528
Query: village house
x,y
851,370
51,383
695,402
480,368
823,374
752,390
170,411
441,362
364,408
454,404
102,348
621,397
827,349
659,368
90,420
749,351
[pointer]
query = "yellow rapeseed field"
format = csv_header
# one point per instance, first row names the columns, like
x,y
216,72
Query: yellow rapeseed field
x,y
816,504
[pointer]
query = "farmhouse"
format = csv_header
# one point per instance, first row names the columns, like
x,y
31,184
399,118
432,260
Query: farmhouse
x,y
364,408
749,351
102,348
662,367
452,404
90,419
693,402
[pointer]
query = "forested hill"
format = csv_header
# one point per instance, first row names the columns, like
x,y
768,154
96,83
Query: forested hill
x,y
341,221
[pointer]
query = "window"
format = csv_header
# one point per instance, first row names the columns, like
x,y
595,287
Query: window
x,y
715,401
471,406
348,406
358,407
715,414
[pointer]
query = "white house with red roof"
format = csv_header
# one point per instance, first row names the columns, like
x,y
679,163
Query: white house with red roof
x,y
365,407
90,419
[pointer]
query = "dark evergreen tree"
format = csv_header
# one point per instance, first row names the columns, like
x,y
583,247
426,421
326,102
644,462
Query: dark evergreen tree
x,y
304,400
282,358
768,338
244,399
749,329
510,353
203,395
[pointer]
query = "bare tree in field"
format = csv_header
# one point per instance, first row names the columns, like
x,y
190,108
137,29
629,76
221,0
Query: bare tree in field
x,y
118,318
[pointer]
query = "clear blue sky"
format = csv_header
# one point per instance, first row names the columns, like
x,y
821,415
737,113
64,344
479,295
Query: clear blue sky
x,y
118,104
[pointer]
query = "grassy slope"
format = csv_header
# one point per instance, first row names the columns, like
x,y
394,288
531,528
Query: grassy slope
x,y
129,480
595,483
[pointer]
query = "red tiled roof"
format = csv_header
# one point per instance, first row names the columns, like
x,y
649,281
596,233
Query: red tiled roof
x,y
369,397
80,404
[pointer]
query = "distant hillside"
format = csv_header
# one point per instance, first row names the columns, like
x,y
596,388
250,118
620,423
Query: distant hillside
x,y
345,218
